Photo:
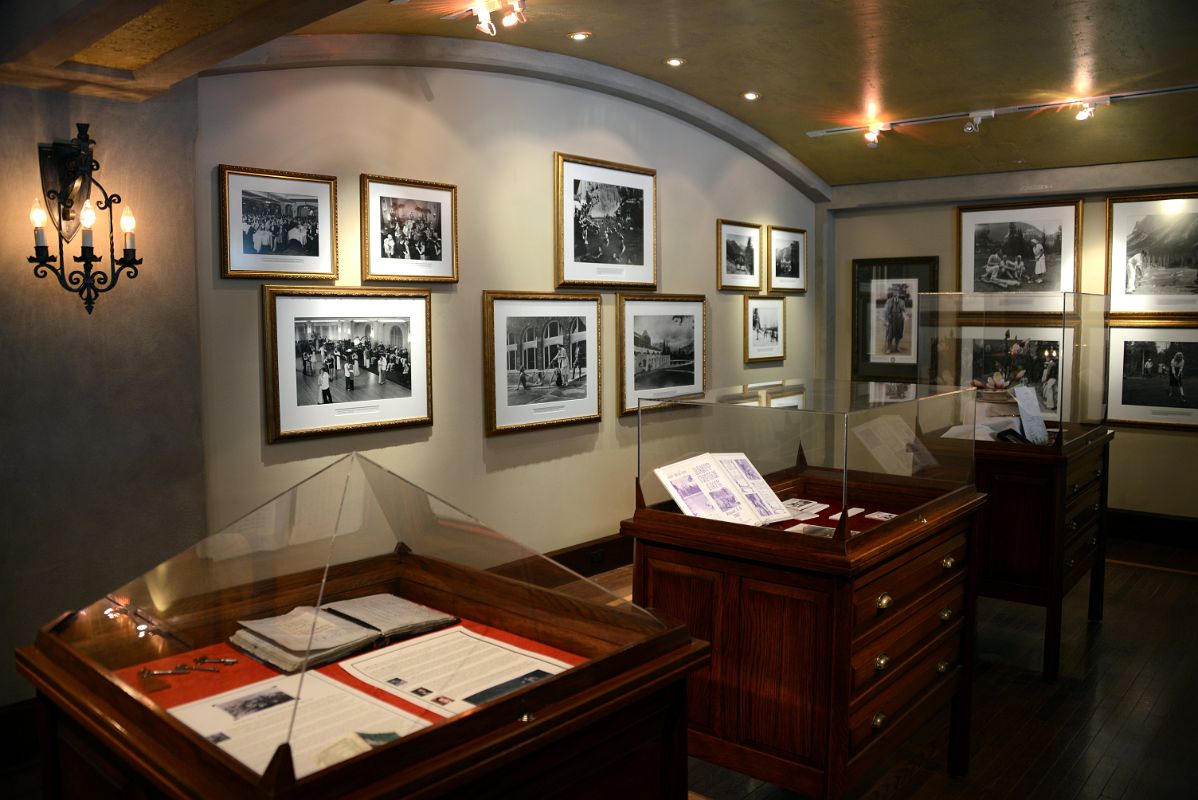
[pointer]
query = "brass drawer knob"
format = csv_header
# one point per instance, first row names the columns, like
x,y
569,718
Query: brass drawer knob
x,y
942,666
878,720
884,601
1070,563
881,661
1093,541
946,614
1077,487
1094,507
948,562
1098,472
1073,525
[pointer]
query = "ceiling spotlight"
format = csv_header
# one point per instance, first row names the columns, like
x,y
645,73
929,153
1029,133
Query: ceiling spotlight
x,y
1086,112
516,15
580,36
975,120
871,138
675,62
752,95
483,14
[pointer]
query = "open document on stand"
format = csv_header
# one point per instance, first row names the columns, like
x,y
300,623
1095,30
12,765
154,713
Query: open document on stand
x,y
332,721
723,486
452,670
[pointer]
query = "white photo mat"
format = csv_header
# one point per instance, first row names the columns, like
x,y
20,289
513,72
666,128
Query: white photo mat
x,y
630,309
1064,369
376,264
295,418
1139,391
236,183
780,250
729,275
1139,282
642,273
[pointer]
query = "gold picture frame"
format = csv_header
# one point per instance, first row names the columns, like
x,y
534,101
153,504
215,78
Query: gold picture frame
x,y
604,224
1142,389
738,255
679,323
276,224
549,348
764,328
1156,280
781,259
385,333
409,230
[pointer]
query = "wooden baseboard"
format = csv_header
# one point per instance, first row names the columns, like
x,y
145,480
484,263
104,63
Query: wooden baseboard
x,y
1140,526
598,555
20,721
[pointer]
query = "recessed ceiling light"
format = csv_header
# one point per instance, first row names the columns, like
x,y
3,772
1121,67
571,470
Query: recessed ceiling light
x,y
580,36
751,95
675,62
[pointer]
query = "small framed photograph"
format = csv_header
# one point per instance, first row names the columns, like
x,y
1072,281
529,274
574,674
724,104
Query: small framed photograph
x,y
345,359
765,328
541,362
605,223
663,347
997,358
738,255
1152,254
1153,373
891,392
276,224
787,249
409,230
1020,253
886,315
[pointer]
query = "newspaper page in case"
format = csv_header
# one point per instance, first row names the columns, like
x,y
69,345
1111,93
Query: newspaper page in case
x,y
724,486
752,487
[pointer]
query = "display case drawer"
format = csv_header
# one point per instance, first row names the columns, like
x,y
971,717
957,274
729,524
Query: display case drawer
x,y
880,659
1079,554
1084,470
1082,511
890,595
938,662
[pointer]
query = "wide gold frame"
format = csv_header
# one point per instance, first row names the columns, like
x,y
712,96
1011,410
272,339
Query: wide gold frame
x,y
1144,321
561,197
270,343
224,171
489,298
719,255
1122,316
768,255
364,182
621,362
1077,236
749,298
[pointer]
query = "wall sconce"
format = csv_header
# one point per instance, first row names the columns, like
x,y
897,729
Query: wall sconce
x,y
67,178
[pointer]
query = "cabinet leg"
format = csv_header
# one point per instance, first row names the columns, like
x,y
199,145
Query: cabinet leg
x,y
1097,585
1052,639
958,734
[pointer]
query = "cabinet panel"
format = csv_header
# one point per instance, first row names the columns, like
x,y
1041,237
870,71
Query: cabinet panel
x,y
1013,546
784,657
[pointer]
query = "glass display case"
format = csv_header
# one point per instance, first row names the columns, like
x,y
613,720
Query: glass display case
x,y
358,635
819,535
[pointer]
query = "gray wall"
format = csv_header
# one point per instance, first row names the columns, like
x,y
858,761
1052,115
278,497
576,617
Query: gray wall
x,y
101,473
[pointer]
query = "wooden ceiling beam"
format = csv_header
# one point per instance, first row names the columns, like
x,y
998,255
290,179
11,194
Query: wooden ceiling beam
x,y
69,28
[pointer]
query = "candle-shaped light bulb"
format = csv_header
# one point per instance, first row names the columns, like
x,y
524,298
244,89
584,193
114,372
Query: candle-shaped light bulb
x,y
128,223
87,218
37,215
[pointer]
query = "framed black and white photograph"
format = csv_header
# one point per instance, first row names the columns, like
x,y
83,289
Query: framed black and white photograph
x,y
605,223
891,392
786,250
409,230
277,224
663,347
998,358
1153,373
764,328
541,362
738,255
1019,254
1152,254
346,359
886,315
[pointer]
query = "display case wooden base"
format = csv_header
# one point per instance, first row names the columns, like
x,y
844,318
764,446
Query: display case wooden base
x,y
1044,527
825,653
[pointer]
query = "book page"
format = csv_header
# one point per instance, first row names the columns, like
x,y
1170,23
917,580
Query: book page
x,y
752,487
700,489
293,629
388,613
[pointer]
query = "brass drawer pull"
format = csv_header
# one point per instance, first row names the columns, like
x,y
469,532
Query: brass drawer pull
x,y
948,562
884,601
942,666
1094,507
1073,525
946,614
1077,487
1098,472
1070,563
881,662
878,720
1093,541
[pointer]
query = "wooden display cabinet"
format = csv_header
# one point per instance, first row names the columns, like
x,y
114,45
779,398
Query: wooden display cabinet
x,y
611,725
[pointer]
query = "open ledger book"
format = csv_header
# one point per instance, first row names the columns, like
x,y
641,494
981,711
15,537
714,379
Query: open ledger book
x,y
336,630
724,486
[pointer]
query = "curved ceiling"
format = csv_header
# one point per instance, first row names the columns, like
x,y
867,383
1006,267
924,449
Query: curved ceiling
x,y
818,64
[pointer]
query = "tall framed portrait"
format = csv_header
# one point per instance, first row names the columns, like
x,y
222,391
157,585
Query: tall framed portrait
x,y
886,315
541,363
1153,373
764,328
340,360
409,230
1152,254
605,223
663,347
276,224
738,255
997,358
1020,254
786,249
